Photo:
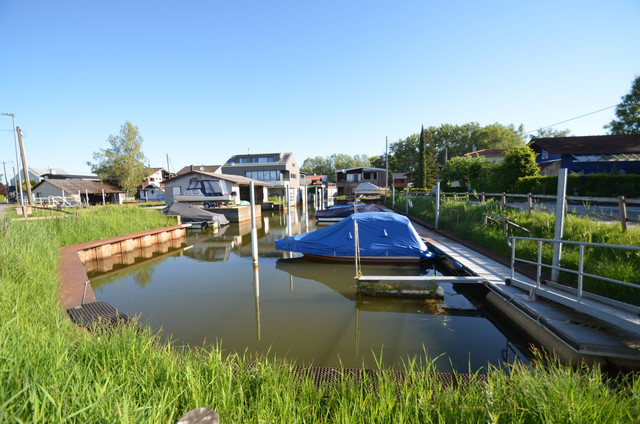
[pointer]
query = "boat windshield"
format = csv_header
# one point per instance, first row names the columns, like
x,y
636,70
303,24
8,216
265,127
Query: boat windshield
x,y
204,188
212,187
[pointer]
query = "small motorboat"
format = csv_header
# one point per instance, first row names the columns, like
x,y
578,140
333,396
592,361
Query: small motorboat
x,y
381,237
339,212
207,192
198,218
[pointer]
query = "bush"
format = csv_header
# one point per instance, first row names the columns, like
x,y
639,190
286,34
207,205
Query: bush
x,y
595,185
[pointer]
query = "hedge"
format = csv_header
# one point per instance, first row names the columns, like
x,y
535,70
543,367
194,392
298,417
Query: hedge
x,y
594,185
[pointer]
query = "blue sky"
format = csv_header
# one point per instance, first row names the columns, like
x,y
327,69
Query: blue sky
x,y
204,80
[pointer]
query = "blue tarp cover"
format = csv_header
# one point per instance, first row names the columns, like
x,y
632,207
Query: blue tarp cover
x,y
380,234
340,211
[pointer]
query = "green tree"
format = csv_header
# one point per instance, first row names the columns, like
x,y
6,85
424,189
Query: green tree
x,y
123,164
431,168
467,170
518,162
403,154
456,140
418,179
328,165
627,113
551,133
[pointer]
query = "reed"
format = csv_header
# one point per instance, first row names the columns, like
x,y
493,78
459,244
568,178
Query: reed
x,y
51,371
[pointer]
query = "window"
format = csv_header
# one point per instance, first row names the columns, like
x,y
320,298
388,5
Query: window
x,y
353,177
370,175
263,175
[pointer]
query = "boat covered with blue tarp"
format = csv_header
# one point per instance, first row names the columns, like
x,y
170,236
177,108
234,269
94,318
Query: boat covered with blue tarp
x,y
339,212
382,237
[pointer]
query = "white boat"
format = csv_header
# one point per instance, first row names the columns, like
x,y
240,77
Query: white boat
x,y
209,192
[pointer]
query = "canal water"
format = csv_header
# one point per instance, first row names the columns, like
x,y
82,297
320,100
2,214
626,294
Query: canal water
x,y
208,292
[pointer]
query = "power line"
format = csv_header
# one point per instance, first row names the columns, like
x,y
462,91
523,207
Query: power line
x,y
572,119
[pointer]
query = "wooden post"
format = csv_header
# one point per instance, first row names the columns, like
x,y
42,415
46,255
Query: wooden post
x,y
504,199
483,198
623,213
530,203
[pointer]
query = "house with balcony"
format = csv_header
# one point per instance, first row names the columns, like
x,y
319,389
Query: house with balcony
x,y
401,179
348,179
152,188
276,169
588,154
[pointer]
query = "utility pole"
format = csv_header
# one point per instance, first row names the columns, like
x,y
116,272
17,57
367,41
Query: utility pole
x,y
27,181
18,182
386,180
6,181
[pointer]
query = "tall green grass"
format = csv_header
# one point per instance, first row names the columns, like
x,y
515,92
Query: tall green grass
x,y
51,371
466,220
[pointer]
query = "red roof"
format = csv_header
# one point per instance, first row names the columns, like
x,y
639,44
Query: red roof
x,y
590,144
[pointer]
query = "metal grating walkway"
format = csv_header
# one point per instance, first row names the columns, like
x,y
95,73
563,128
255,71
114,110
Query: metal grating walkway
x,y
91,314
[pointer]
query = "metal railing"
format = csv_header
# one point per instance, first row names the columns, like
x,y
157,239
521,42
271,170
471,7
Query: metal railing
x,y
579,292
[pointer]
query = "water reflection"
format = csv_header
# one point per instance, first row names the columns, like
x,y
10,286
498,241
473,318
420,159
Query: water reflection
x,y
305,311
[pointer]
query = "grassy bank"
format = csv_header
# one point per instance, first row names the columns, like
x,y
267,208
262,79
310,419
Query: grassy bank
x,y
50,371
467,220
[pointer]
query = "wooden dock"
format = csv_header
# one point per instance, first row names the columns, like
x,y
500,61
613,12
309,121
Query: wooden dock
x,y
574,335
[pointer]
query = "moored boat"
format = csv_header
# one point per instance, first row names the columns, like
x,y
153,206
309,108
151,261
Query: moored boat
x,y
208,192
339,212
198,218
381,237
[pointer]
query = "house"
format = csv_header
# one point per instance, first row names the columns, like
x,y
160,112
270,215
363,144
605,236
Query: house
x,y
275,169
490,155
315,182
38,174
206,168
152,188
231,184
348,179
588,154
401,179
60,190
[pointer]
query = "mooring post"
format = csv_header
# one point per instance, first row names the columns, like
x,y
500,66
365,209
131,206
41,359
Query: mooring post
x,y
256,295
254,231
356,251
393,196
438,203
286,189
557,235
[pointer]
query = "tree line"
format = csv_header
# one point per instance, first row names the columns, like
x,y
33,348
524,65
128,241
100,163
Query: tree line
x,y
440,152
435,152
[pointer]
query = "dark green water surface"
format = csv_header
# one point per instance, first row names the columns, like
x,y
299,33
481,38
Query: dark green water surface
x,y
208,292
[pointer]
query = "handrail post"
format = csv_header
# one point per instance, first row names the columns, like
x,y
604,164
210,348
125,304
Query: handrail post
x,y
539,270
580,271
513,258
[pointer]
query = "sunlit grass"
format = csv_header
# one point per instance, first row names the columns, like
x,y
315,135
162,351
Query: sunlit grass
x,y
51,371
467,220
